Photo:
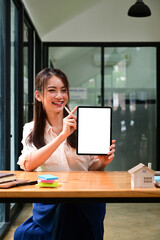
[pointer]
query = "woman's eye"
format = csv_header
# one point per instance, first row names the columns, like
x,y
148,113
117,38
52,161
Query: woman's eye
x,y
51,90
64,90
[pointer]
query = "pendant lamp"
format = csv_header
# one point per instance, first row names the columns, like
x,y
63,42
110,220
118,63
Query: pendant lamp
x,y
139,9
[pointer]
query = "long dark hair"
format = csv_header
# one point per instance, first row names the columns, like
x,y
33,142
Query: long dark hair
x,y
37,134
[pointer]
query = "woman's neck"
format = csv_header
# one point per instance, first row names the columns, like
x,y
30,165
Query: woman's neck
x,y
56,121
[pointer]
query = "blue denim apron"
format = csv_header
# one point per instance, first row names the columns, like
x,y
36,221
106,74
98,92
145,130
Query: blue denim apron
x,y
63,221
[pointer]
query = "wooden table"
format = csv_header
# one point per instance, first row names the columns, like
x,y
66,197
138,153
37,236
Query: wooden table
x,y
81,186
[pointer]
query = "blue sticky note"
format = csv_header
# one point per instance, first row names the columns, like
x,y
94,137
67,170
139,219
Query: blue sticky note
x,y
48,177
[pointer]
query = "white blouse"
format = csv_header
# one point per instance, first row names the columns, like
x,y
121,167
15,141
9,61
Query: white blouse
x,y
63,159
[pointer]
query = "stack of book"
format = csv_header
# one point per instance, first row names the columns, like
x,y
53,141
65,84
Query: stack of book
x,y
7,177
48,180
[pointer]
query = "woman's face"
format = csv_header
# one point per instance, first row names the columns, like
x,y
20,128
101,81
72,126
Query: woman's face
x,y
55,95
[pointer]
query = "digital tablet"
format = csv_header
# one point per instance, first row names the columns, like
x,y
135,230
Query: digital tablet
x,y
94,130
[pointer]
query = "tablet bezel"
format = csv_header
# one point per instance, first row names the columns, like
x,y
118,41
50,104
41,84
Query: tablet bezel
x,y
95,153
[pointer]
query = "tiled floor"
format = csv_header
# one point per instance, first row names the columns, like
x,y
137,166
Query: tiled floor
x,y
132,221
124,221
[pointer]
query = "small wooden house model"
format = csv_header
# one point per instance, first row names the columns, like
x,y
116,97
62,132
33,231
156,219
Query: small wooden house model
x,y
142,176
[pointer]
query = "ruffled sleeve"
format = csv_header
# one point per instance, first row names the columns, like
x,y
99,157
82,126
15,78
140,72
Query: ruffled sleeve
x,y
27,148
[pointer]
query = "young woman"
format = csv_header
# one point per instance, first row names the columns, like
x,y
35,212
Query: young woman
x,y
49,144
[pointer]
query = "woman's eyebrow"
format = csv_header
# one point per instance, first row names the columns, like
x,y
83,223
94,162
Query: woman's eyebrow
x,y
51,87
55,87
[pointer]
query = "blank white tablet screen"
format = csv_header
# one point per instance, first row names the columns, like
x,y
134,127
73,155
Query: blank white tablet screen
x,y
94,130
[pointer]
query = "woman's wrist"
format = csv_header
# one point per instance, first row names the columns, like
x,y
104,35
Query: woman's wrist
x,y
97,166
62,136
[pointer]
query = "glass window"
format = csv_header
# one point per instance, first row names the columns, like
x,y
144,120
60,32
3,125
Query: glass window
x,y
13,89
14,77
2,46
28,55
130,87
10,79
25,59
38,55
83,72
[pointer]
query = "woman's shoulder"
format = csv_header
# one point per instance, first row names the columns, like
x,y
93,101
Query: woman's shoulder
x,y
28,127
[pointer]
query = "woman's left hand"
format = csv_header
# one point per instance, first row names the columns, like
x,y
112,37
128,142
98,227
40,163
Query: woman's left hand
x,y
106,159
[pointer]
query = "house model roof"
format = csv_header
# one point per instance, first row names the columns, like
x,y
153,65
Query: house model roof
x,y
138,167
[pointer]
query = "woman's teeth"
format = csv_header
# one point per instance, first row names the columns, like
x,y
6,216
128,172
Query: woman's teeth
x,y
57,103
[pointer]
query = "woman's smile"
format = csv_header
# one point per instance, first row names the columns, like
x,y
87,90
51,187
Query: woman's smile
x,y
58,103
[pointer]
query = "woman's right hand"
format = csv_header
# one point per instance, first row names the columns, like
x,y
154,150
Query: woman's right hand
x,y
70,123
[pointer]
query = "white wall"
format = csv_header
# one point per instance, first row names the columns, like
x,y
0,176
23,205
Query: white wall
x,y
107,21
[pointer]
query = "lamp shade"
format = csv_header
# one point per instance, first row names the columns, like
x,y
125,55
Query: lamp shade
x,y
139,9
